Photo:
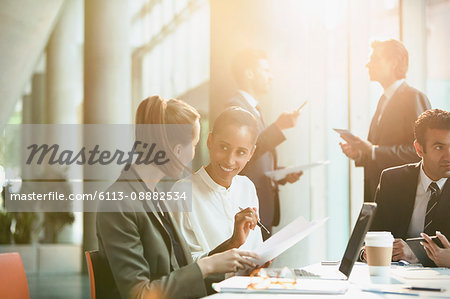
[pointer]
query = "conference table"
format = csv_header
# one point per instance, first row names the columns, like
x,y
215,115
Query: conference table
x,y
361,285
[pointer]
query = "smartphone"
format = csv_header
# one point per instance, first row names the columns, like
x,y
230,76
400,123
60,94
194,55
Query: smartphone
x,y
435,239
419,251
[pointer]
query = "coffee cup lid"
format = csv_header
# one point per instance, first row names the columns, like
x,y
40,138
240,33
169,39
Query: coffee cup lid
x,y
379,238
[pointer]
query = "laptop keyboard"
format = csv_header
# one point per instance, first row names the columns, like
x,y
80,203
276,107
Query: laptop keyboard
x,y
299,273
303,273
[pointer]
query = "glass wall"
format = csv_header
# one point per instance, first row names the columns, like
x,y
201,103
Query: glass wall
x,y
437,58
368,21
170,42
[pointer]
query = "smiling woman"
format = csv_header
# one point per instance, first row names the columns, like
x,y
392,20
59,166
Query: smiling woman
x,y
216,222
231,144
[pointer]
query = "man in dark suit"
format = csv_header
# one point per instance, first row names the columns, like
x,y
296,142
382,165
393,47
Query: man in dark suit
x,y
252,74
390,140
415,198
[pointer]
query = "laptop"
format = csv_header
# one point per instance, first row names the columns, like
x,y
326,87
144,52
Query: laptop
x,y
352,251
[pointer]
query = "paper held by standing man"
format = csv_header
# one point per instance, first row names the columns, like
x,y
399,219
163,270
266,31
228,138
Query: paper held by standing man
x,y
280,174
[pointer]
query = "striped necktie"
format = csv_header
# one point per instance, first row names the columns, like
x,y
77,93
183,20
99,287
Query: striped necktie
x,y
432,202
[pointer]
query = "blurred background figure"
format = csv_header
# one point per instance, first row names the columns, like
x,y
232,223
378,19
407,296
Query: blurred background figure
x,y
251,71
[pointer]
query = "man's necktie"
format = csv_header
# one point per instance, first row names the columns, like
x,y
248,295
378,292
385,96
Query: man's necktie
x,y
376,119
258,108
380,107
432,202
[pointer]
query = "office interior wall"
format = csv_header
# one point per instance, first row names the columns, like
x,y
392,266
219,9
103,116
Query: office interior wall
x,y
413,34
306,51
367,21
170,56
314,69
437,79
170,41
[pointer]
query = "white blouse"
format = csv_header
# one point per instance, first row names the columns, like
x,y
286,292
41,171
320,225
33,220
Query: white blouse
x,y
211,221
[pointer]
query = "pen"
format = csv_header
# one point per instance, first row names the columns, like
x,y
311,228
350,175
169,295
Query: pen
x,y
301,106
389,292
425,289
259,224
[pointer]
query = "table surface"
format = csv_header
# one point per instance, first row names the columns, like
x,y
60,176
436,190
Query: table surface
x,y
360,279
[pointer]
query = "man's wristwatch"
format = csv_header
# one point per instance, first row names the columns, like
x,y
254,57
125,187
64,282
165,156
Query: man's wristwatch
x,y
361,255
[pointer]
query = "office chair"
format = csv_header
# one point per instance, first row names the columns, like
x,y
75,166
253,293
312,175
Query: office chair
x,y
101,281
13,281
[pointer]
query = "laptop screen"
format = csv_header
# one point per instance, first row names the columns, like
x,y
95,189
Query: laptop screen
x,y
357,238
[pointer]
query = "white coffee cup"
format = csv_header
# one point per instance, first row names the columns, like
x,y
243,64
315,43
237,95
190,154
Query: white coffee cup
x,y
378,247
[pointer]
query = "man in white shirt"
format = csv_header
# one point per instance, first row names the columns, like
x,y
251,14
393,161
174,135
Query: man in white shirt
x,y
415,198
390,139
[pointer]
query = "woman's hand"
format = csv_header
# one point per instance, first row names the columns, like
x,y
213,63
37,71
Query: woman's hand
x,y
231,260
440,256
267,264
244,221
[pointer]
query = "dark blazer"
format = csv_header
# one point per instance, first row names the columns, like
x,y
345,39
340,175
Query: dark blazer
x,y
394,135
139,250
264,159
395,200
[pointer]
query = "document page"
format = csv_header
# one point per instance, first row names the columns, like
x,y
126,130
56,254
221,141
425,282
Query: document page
x,y
287,237
420,273
279,174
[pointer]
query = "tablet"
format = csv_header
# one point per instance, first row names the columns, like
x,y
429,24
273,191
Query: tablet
x,y
419,251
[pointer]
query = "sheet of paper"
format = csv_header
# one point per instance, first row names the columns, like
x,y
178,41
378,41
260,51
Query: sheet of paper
x,y
279,174
401,289
419,273
287,237
239,284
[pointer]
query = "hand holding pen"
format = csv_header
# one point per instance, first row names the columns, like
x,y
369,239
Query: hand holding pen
x,y
288,120
244,221
258,223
